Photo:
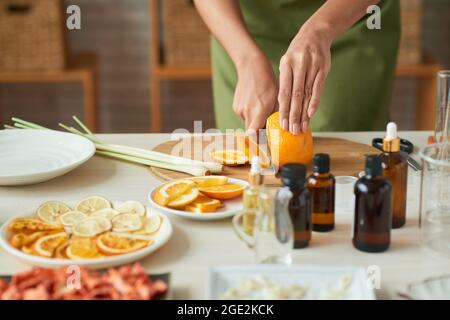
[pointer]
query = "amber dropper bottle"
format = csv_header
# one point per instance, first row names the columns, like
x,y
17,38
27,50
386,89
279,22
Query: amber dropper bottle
x,y
293,176
373,209
251,195
321,185
396,171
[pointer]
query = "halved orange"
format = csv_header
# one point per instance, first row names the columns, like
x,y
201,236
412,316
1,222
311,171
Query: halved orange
x,y
204,204
172,190
209,181
230,157
112,244
227,191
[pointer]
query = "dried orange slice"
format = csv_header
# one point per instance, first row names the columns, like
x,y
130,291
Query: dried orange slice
x,y
184,199
210,181
82,248
47,245
30,225
230,157
203,204
172,190
228,191
50,211
22,239
113,244
92,204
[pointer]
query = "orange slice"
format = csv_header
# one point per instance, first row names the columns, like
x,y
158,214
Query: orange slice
x,y
251,148
228,191
172,190
82,248
112,244
230,157
204,204
184,199
30,225
210,181
60,252
47,245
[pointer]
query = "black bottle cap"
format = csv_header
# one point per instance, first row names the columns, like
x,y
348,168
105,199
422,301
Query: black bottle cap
x,y
373,166
322,163
293,175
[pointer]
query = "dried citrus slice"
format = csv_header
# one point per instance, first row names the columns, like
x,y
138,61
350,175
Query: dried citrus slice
x,y
107,213
104,223
230,157
210,181
134,207
47,245
50,212
72,218
151,225
92,204
127,222
84,248
113,244
228,191
172,190
88,228
60,252
203,204
184,199
22,239
30,225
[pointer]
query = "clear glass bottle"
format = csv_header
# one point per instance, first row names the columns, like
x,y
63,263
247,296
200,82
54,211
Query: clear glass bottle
x,y
251,195
442,128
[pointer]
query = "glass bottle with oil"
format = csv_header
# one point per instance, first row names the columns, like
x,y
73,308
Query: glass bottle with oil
x,y
293,176
373,209
395,166
321,185
251,196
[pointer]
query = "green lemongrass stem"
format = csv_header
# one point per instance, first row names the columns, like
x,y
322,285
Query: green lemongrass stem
x,y
21,126
213,167
197,171
6,126
85,128
27,124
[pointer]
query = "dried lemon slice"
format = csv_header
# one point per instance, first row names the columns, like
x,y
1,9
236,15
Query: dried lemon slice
x,y
80,249
104,223
51,211
107,213
92,204
151,225
134,207
127,222
113,244
72,218
47,245
88,228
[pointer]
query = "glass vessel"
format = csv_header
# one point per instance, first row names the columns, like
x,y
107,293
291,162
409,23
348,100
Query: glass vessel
x,y
442,129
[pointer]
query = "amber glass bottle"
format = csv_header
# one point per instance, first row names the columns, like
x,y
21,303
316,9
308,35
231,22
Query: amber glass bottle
x,y
321,185
373,209
396,171
300,206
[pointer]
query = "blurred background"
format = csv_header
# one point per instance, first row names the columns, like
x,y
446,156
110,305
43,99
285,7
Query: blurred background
x,y
143,65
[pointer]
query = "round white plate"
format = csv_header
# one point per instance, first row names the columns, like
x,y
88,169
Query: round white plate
x,y
232,207
32,156
161,237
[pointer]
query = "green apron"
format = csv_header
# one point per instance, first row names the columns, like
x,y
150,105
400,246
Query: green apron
x,y
357,92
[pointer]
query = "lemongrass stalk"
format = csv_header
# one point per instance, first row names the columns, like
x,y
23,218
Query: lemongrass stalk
x,y
86,129
21,126
213,167
6,126
28,124
192,170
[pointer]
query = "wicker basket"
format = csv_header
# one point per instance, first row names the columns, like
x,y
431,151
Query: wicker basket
x,y
185,36
32,35
411,41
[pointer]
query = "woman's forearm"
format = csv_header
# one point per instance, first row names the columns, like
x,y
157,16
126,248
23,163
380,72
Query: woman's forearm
x,y
225,21
337,16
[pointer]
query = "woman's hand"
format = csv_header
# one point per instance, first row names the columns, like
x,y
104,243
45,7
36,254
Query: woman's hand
x,y
255,98
303,70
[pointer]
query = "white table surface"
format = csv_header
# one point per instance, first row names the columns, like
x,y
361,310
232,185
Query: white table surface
x,y
195,246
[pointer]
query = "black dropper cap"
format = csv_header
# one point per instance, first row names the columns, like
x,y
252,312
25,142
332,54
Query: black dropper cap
x,y
373,166
293,175
321,163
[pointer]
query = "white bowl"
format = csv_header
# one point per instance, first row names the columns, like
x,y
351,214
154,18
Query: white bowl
x,y
33,156
161,237
231,208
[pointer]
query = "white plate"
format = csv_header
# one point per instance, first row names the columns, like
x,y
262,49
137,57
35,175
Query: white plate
x,y
315,278
32,156
232,207
161,237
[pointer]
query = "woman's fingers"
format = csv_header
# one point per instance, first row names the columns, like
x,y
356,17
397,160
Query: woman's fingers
x,y
285,91
298,93
316,92
310,77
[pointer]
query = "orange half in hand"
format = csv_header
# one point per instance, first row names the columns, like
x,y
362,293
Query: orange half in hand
x,y
230,157
227,191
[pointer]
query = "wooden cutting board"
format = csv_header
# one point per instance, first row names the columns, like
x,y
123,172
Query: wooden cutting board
x,y
347,157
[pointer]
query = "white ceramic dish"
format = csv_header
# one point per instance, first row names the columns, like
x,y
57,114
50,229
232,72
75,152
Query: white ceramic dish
x,y
232,207
315,278
33,156
161,237
437,288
